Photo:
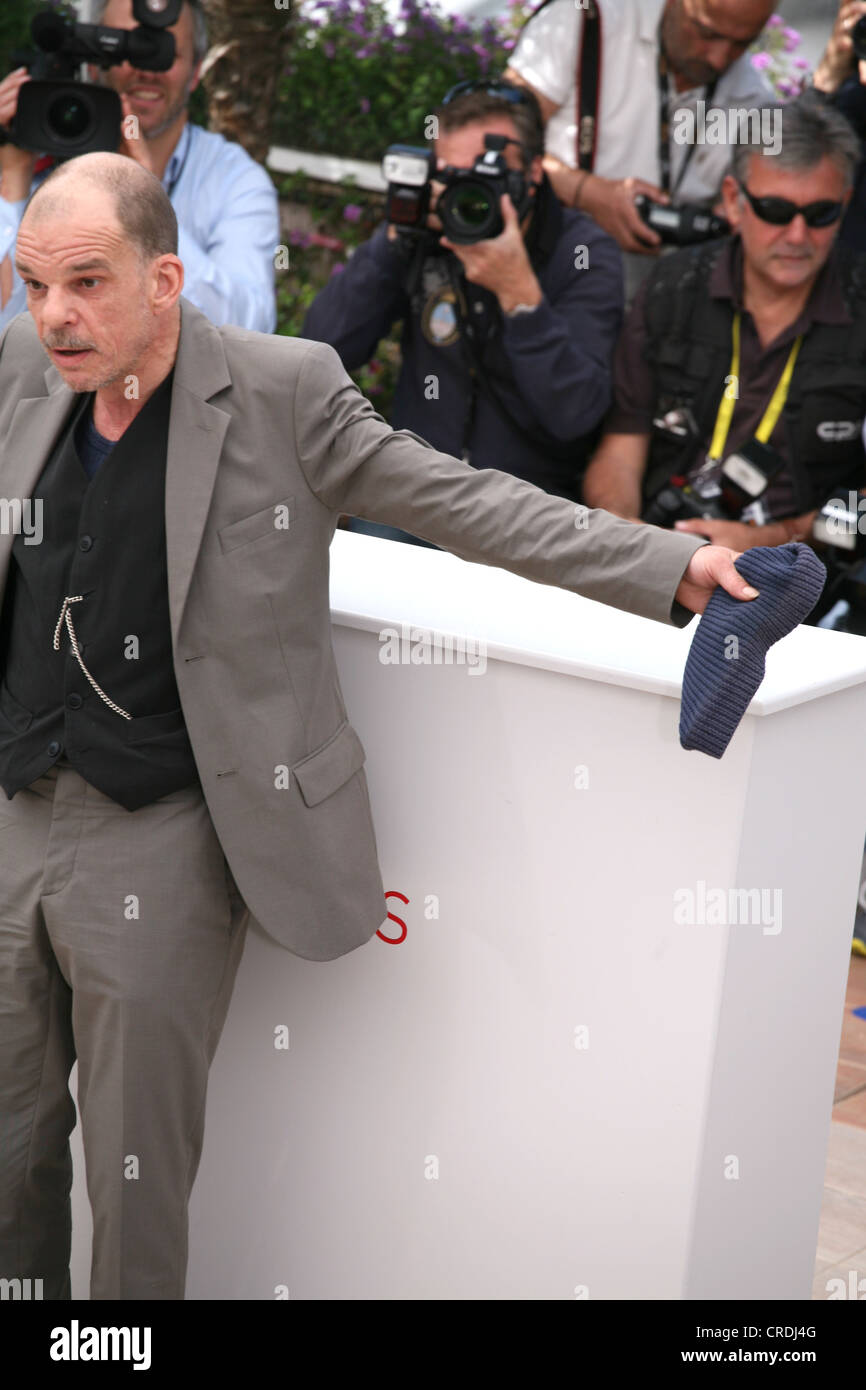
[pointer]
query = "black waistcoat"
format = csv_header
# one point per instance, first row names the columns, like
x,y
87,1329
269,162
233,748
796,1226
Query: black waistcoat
x,y
103,539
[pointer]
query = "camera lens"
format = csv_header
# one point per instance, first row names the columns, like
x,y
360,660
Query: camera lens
x,y
858,39
68,117
468,211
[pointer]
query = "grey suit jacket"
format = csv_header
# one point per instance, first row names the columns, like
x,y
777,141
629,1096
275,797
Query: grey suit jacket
x,y
266,429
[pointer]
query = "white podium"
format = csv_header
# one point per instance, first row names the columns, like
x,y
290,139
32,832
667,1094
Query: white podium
x,y
596,1057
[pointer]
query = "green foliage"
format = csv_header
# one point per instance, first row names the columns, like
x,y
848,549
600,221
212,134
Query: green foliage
x,y
342,217
357,82
15,17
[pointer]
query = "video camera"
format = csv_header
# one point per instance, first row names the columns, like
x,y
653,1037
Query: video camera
x,y
60,115
468,206
744,478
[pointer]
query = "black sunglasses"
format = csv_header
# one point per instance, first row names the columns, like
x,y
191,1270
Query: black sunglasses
x,y
780,212
504,91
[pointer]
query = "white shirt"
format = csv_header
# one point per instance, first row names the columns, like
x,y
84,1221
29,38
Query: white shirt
x,y
629,116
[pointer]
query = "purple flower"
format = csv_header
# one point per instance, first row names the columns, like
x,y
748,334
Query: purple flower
x,y
364,105
803,64
335,269
792,39
329,49
352,212
761,61
775,22
785,88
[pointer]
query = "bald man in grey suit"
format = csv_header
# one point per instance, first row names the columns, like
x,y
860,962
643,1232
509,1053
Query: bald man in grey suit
x,y
174,746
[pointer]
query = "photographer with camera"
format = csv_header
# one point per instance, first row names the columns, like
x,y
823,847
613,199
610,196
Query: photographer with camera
x,y
226,205
620,83
740,377
511,305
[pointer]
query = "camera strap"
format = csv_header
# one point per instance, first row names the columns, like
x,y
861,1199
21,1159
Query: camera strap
x,y
589,87
186,135
729,398
588,82
665,128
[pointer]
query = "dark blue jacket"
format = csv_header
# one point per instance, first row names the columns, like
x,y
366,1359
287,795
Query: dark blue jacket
x,y
551,368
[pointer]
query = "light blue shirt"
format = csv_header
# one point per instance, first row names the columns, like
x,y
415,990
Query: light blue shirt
x,y
229,230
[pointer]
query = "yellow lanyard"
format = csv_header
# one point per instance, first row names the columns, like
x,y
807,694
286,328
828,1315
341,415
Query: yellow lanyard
x,y
729,399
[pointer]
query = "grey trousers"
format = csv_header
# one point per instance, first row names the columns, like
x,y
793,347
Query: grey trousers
x,y
120,937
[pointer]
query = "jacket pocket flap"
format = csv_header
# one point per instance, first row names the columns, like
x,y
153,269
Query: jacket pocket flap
x,y
275,518
325,770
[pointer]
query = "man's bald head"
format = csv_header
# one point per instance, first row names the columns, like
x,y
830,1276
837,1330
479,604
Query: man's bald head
x,y
703,38
96,250
141,206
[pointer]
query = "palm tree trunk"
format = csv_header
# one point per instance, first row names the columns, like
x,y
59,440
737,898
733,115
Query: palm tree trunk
x,y
248,47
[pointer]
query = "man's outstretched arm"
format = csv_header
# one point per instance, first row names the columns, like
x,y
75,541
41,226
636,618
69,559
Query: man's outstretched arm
x,y
354,462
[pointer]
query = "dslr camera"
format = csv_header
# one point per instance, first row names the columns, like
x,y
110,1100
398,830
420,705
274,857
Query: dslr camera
x,y
745,477
468,206
684,225
60,115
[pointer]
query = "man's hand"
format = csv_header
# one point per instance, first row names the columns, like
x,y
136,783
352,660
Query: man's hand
x,y
837,60
135,147
16,165
501,264
709,567
610,202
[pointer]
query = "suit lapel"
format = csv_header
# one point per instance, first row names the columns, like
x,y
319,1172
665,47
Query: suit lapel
x,y
195,437
33,432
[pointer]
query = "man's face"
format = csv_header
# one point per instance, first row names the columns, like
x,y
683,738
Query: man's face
x,y
702,38
791,255
87,289
461,148
156,98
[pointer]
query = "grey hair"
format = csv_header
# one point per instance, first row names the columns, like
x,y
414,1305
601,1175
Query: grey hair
x,y
811,131
199,25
